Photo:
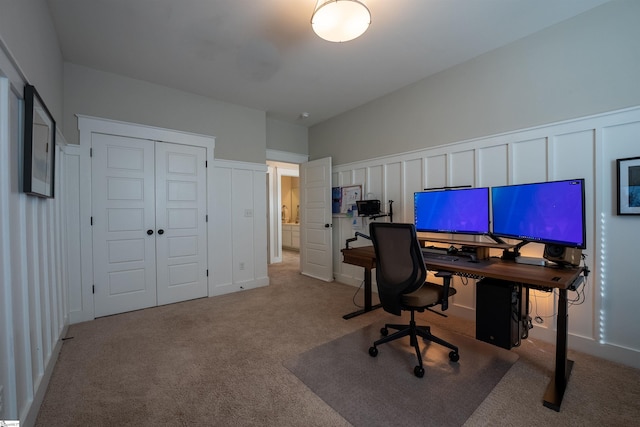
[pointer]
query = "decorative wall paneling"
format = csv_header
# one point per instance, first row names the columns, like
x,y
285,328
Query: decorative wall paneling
x,y
239,223
33,271
581,148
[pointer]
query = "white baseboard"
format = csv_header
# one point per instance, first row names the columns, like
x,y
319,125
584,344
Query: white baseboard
x,y
228,288
41,387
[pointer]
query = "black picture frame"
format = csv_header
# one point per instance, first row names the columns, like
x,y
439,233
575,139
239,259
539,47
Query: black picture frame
x,y
628,173
39,146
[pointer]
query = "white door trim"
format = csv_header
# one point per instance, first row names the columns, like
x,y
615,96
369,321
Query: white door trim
x,y
88,125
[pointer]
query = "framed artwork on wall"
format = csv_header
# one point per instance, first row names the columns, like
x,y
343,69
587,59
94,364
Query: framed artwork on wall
x,y
39,145
628,171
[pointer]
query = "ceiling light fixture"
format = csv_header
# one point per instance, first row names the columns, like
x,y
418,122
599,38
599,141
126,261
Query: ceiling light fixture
x,y
340,20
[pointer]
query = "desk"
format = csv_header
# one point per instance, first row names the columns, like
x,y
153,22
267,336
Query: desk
x,y
529,276
362,257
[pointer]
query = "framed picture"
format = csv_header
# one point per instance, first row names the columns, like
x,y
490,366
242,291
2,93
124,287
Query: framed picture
x,y
628,186
39,145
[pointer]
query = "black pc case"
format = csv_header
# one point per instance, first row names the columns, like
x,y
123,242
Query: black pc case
x,y
499,308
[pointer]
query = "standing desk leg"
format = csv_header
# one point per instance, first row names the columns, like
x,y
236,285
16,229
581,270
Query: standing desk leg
x,y
367,297
555,390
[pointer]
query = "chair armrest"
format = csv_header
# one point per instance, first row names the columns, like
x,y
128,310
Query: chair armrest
x,y
446,284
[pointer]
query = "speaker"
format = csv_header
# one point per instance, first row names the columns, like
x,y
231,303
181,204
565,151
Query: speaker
x,y
562,254
498,308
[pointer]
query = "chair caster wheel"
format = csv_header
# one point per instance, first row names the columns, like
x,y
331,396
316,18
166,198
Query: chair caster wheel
x,y
384,332
454,356
373,352
418,371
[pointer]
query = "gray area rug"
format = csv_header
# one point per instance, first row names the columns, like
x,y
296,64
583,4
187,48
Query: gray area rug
x,y
383,391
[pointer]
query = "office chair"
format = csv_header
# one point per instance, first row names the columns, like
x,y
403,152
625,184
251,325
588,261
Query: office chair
x,y
400,276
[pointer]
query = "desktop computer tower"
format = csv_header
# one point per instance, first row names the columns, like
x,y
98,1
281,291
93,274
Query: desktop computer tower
x,y
498,310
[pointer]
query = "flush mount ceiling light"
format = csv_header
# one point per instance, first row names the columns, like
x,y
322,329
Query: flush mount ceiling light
x,y
340,20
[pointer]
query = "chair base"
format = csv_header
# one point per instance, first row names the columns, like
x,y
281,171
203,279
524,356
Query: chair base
x,y
413,331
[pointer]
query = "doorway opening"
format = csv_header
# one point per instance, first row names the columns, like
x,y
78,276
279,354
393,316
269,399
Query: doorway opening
x,y
283,190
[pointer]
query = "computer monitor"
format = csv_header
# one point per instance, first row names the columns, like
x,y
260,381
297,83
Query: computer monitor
x,y
545,212
464,211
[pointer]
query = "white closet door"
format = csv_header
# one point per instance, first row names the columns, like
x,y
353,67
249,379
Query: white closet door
x,y
181,241
123,210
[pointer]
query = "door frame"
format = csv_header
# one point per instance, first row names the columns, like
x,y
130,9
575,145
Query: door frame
x,y
87,126
274,224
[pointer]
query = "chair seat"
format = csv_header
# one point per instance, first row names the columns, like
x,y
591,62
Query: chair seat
x,y
429,294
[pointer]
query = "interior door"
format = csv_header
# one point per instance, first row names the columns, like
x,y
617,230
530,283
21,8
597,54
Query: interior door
x,y
123,216
316,247
181,222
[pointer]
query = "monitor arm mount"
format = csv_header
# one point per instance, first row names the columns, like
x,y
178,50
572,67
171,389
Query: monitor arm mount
x,y
353,239
515,252
381,215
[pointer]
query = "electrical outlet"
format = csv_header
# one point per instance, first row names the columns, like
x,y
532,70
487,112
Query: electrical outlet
x,y
242,266
248,213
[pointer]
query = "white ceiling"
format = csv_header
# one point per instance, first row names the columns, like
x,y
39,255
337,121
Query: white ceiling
x,y
263,54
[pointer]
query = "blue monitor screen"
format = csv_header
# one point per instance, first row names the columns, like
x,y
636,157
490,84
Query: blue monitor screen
x,y
546,212
464,211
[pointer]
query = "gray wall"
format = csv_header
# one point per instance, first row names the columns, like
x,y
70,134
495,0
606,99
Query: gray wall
x,y
587,65
289,137
27,29
240,132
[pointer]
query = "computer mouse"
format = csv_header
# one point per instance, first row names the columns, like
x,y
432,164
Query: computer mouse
x,y
473,258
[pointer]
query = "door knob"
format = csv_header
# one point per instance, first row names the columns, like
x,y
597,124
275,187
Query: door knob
x,y
161,231
149,232
327,225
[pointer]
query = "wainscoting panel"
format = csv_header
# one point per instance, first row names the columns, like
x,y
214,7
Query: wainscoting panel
x,y
33,278
359,176
222,272
495,165
616,282
238,224
72,221
571,155
528,161
462,169
582,148
413,182
375,182
435,171
392,188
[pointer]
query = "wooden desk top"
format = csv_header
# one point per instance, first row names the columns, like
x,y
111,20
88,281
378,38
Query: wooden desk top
x,y
495,268
363,257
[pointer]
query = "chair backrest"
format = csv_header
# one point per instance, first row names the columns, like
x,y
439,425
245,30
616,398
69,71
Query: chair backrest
x,y
400,268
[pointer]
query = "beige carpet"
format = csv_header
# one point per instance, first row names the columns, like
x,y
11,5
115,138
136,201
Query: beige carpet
x,y
219,361
383,391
